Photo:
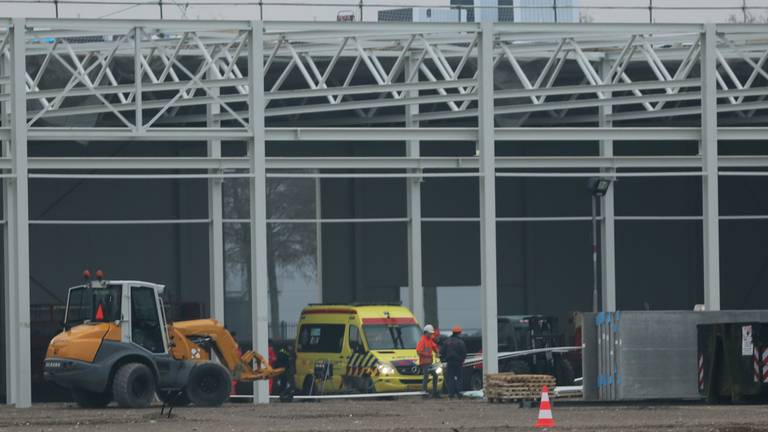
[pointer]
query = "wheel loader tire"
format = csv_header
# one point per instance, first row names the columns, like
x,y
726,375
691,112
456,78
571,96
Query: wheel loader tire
x,y
88,399
208,385
133,386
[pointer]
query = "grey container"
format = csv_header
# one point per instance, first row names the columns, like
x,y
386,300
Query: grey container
x,y
642,355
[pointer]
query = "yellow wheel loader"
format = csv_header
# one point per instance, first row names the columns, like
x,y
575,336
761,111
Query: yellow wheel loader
x,y
117,346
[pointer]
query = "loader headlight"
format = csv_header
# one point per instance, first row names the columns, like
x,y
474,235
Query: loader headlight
x,y
386,369
439,370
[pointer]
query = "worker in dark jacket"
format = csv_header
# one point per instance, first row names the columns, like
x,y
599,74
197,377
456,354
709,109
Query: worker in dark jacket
x,y
454,352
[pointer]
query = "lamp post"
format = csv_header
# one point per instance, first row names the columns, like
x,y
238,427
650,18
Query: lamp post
x,y
598,186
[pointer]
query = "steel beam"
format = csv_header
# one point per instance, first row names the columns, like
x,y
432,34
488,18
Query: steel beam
x,y
608,222
319,239
17,230
190,134
413,191
383,134
210,163
258,202
371,134
218,165
216,214
8,308
709,152
486,146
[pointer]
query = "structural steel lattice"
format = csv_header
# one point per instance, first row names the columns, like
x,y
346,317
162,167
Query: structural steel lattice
x,y
259,82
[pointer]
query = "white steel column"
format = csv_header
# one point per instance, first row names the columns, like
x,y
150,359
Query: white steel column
x,y
9,240
138,74
415,284
708,148
486,146
319,239
216,215
608,225
257,149
18,230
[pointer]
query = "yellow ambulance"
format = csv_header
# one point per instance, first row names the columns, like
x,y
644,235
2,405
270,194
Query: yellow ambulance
x,y
366,349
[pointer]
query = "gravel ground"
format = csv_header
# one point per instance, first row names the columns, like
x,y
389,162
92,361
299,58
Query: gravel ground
x,y
406,415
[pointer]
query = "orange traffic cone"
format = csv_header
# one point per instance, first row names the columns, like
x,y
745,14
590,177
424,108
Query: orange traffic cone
x,y
545,411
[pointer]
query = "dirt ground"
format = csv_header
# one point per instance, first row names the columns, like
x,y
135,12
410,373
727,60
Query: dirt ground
x,y
406,415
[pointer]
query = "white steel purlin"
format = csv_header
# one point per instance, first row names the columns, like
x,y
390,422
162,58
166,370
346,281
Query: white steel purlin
x,y
199,81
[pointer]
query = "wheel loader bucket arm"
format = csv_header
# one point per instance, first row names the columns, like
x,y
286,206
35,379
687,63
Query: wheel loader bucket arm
x,y
261,370
241,366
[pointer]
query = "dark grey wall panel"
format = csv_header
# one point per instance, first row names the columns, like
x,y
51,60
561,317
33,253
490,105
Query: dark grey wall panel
x,y
744,264
658,264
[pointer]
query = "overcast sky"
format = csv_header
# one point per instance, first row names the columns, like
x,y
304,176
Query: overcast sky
x,y
284,11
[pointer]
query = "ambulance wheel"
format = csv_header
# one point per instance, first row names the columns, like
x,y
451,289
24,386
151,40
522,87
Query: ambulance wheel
x,y
87,399
367,385
208,385
133,386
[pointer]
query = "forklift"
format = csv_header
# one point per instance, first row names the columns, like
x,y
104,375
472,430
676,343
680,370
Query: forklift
x,y
522,333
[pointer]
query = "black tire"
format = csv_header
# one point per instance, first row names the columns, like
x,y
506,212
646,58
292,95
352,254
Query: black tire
x,y
173,398
88,399
208,385
286,395
133,386
476,381
564,374
308,386
367,385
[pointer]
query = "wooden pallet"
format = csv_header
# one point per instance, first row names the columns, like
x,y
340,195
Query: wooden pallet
x,y
510,387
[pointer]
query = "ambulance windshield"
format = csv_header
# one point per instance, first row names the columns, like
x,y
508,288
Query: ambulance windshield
x,y
388,337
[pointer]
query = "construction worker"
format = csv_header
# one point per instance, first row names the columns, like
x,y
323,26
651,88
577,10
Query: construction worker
x,y
454,353
426,348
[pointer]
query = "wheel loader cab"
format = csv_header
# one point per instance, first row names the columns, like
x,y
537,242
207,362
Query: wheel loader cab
x,y
127,311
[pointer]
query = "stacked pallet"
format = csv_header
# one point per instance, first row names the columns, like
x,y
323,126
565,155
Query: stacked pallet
x,y
510,387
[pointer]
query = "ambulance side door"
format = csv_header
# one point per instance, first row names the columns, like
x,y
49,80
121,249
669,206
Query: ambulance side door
x,y
320,351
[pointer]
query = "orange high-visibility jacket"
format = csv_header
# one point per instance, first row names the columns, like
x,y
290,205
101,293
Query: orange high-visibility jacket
x,y
425,348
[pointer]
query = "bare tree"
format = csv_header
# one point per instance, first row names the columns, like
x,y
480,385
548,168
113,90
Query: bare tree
x,y
290,245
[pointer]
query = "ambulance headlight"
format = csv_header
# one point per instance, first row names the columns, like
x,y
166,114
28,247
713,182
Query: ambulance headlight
x,y
439,370
386,369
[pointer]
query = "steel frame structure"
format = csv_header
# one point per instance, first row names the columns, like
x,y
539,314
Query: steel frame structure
x,y
257,82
